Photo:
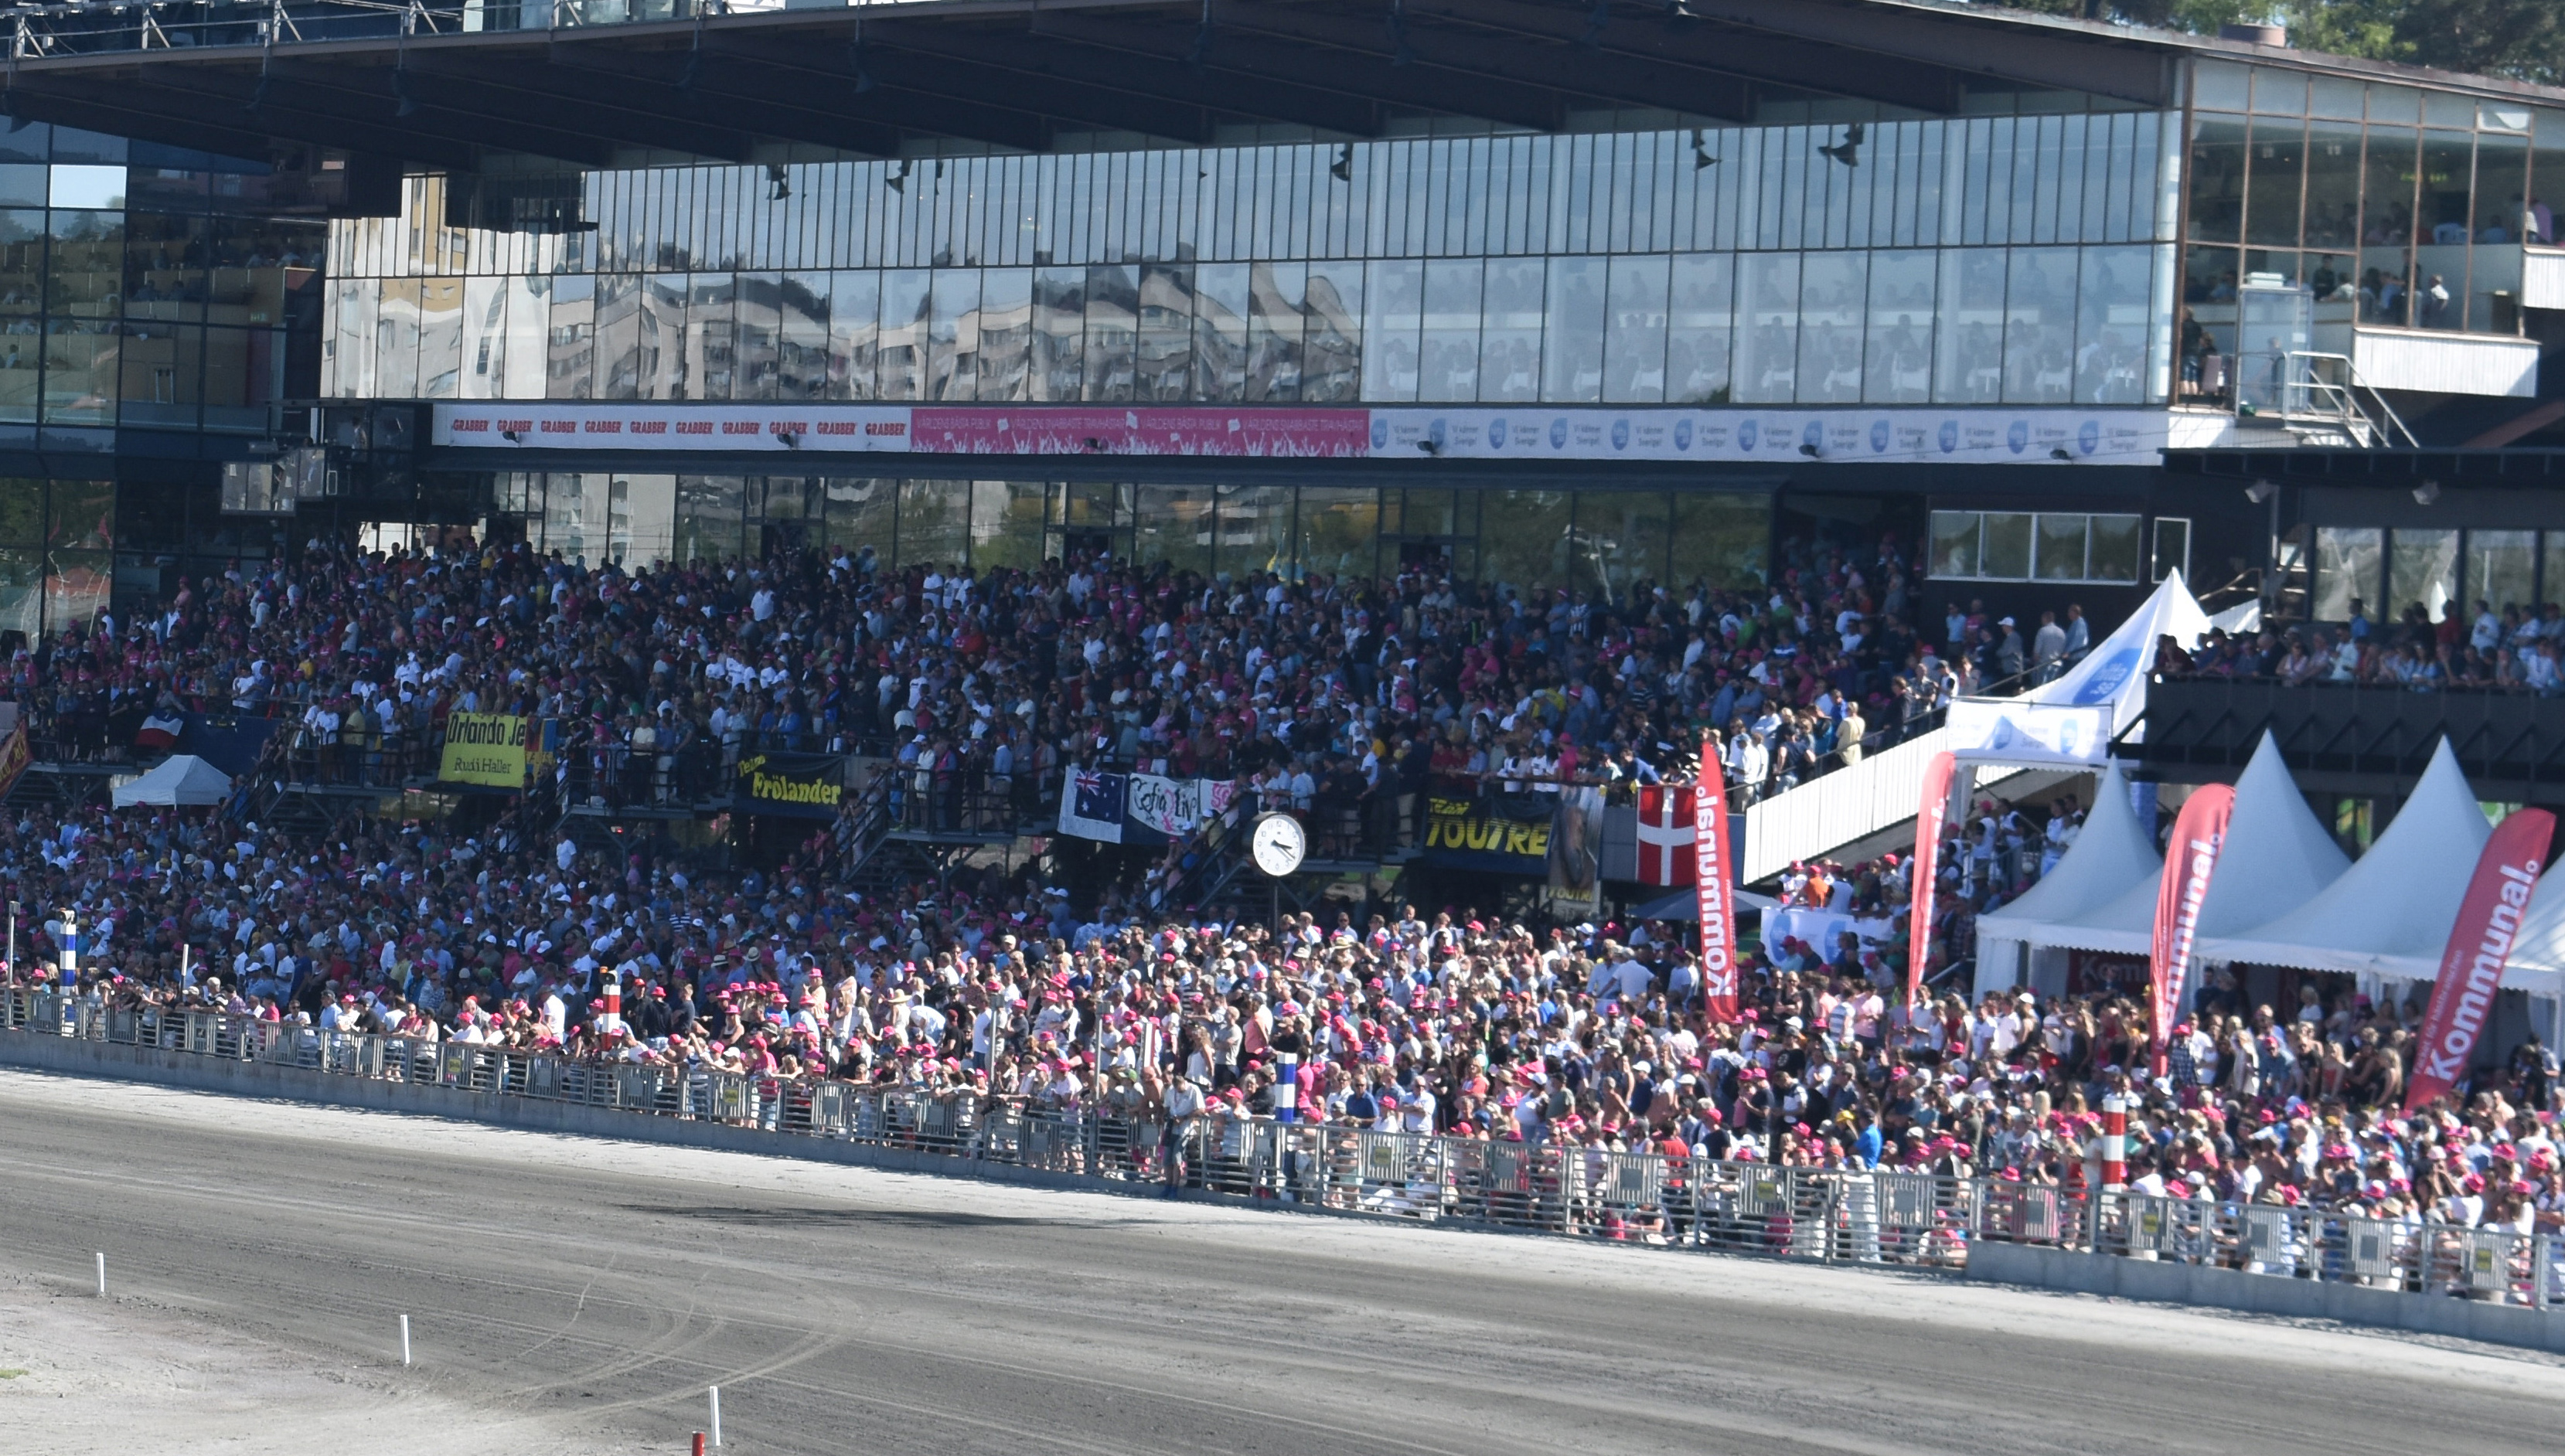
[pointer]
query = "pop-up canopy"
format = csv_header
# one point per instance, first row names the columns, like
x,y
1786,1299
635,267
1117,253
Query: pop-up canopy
x,y
2390,913
2113,856
180,779
2071,721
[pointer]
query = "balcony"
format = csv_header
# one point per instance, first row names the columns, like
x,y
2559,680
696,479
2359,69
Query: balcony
x,y
2355,740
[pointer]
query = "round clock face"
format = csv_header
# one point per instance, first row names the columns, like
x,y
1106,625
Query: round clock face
x,y
1278,844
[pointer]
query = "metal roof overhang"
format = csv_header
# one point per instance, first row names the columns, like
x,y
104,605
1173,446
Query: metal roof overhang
x,y
1015,73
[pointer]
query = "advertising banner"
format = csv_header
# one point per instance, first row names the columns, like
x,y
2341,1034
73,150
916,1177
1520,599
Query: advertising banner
x,y
1712,877
1506,834
1140,430
487,748
2479,947
1664,832
1161,808
1929,813
1788,437
776,429
1090,804
15,754
802,785
2198,834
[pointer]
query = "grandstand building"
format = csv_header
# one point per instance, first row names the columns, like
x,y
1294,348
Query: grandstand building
x,y
1578,295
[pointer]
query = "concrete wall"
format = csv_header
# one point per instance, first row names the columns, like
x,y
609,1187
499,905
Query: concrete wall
x,y
2264,1294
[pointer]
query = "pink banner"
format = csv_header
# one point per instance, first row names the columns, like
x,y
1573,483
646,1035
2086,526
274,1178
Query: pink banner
x,y
1713,876
2479,947
2198,836
1925,871
1138,430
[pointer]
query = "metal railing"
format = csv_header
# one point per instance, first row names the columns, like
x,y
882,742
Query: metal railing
x,y
1558,1188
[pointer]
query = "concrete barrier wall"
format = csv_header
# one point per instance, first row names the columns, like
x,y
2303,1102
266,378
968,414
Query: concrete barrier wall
x,y
2264,1294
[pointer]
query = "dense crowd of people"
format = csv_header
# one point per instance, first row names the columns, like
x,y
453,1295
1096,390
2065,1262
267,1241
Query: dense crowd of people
x,y
991,984
2515,650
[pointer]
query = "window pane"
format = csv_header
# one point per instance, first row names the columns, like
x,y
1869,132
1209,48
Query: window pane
x,y
1523,539
1719,540
2060,547
1006,335
1571,361
2551,568
860,515
1955,544
1222,302
802,340
1832,291
1339,532
953,334
2111,313
1699,321
759,324
1634,345
1896,359
1254,529
1173,526
934,523
163,369
1510,342
2040,327
1275,294
1448,357
2502,223
1970,345
2440,251
440,337
2217,181
1112,330
1767,328
1331,349
1393,314
2422,570
1005,521
2113,555
902,359
88,265
618,336
2347,559
1059,333
244,374
2387,226
2499,568
2333,185
1621,538
712,335
2278,164
710,517
854,336
2006,548
1165,362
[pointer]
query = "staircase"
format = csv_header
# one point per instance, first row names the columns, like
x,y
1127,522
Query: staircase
x,y
1864,810
2323,401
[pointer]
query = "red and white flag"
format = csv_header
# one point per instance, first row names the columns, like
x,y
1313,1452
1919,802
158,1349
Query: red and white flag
x,y
2198,834
1713,878
1925,871
1665,836
2479,947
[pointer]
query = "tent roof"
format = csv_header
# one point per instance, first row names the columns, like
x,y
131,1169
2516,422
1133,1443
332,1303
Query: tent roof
x,y
2276,853
2111,854
181,778
2115,671
2537,961
2390,913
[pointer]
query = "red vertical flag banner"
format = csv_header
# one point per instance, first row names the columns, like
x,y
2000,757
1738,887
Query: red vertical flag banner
x,y
2198,833
1714,880
2480,945
1925,871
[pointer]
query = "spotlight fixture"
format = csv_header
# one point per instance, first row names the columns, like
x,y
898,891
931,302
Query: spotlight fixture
x,y
1848,151
512,437
2259,491
1429,447
898,181
779,187
1701,156
789,440
2427,493
1342,168
1812,452
2059,452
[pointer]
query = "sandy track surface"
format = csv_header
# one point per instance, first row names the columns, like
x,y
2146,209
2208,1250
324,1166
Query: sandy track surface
x,y
575,1296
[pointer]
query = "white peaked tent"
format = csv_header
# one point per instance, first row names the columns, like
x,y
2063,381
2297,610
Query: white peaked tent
x,y
2389,914
182,778
2112,855
2538,963
2071,721
2277,855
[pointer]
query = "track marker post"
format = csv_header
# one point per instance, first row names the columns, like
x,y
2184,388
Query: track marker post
x,y
404,1338
102,1276
714,1392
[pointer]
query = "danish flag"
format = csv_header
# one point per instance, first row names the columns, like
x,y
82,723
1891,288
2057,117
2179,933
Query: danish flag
x,y
1665,836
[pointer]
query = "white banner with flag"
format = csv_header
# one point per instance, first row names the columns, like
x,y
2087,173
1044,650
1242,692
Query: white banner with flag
x,y
1665,836
1091,803
2072,721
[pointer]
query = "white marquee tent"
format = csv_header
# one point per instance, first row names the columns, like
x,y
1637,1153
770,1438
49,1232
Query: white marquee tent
x,y
182,778
2071,721
2112,855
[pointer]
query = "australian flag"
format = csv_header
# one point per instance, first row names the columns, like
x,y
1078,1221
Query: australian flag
x,y
1092,804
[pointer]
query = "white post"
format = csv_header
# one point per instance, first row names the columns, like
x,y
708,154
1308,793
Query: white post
x,y
404,1338
102,1276
715,1393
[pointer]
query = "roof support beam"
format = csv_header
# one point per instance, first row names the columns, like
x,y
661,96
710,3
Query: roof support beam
x,y
668,120
1173,64
654,79
1360,60
944,60
2009,48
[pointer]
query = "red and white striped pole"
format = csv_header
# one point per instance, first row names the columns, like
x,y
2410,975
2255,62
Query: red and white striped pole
x,y
2114,1140
613,1020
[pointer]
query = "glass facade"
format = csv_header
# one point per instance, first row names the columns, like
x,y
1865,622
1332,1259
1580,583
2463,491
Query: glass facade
x,y
1603,542
2000,260
2444,571
2392,205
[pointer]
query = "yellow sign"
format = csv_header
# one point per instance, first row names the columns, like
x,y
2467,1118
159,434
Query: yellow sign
x,y
485,748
